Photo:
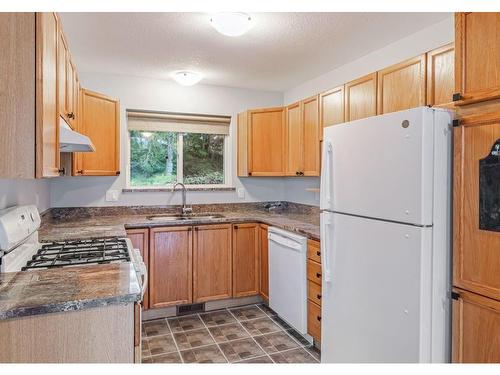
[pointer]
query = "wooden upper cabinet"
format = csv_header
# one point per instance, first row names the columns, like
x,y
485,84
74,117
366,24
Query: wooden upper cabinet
x,y
100,121
294,140
47,113
331,108
17,95
261,142
264,261
441,75
311,138
140,241
246,278
401,86
170,271
361,98
477,56
212,262
62,74
476,244
476,329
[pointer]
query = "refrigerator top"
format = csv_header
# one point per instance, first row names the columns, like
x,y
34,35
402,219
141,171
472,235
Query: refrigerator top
x,y
383,166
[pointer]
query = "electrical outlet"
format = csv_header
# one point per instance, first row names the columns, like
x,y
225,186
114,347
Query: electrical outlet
x,y
241,193
112,195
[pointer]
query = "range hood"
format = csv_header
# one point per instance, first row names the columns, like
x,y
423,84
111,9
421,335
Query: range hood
x,y
71,141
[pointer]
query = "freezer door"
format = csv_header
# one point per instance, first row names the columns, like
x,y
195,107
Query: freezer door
x,y
377,305
381,167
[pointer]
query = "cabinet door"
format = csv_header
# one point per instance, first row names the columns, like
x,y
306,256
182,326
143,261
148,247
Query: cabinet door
x,y
476,256
441,75
17,99
310,120
476,329
140,240
361,98
331,108
264,262
477,57
212,262
245,260
170,266
47,113
401,86
70,92
294,140
266,150
100,121
62,74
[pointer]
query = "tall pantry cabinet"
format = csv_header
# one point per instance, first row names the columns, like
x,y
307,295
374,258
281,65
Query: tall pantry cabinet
x,y
476,243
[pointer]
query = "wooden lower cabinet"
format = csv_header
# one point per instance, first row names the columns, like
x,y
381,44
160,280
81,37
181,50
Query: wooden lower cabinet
x,y
314,320
264,262
170,271
212,262
246,277
476,328
140,240
314,291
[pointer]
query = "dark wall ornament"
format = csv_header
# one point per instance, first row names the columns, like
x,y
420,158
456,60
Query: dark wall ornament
x,y
489,190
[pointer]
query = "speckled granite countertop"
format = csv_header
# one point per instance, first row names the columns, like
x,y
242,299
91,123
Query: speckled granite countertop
x,y
101,222
73,288
66,289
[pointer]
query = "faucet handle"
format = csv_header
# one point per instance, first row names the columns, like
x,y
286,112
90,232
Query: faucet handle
x,y
187,210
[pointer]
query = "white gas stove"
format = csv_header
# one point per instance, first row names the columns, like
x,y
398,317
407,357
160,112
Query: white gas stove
x,y
20,249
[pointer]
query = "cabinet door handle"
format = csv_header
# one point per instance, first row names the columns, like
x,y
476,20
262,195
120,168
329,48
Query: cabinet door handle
x,y
318,296
249,173
318,253
318,274
456,97
319,318
196,228
297,173
235,227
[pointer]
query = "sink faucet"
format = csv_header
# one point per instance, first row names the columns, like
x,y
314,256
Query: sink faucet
x,y
185,209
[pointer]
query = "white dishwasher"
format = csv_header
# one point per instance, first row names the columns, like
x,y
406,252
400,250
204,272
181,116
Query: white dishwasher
x,y
287,277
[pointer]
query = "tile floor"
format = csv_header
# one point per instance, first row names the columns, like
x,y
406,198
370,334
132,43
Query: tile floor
x,y
247,334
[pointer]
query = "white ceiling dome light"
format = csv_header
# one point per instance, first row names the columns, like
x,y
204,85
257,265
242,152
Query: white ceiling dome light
x,y
231,24
186,77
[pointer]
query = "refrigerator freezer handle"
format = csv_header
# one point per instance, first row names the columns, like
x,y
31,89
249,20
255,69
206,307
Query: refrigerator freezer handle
x,y
326,178
325,232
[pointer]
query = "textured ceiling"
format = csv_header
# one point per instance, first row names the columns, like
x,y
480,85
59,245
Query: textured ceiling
x,y
281,51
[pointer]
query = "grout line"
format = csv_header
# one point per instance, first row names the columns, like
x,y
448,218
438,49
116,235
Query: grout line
x,y
252,337
215,341
173,338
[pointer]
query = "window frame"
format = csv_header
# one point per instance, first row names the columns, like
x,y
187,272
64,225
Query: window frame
x,y
180,160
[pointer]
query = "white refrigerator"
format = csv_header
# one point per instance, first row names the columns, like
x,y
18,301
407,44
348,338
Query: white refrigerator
x,y
386,238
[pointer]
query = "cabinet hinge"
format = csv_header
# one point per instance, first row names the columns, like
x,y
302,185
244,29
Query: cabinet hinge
x,y
455,123
455,295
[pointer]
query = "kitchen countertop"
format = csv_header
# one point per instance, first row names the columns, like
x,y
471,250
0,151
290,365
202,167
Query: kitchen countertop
x,y
86,223
73,288
27,293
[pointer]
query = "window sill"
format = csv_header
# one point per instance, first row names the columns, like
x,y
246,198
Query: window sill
x,y
169,189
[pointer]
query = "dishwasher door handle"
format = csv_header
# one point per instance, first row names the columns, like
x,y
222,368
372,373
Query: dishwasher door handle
x,y
292,245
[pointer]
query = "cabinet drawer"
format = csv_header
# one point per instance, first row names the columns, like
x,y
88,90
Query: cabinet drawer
x,y
314,320
314,250
314,271
314,292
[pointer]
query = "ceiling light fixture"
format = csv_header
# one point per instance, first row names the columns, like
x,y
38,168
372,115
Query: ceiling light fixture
x,y
186,78
231,24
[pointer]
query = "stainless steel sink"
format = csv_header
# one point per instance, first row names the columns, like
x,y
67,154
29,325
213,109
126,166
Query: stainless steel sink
x,y
176,217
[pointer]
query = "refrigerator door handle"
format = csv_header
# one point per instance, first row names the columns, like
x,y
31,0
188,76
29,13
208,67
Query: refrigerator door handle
x,y
326,183
325,231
